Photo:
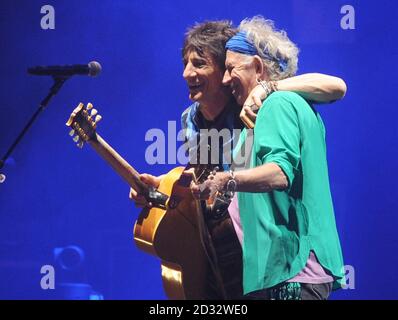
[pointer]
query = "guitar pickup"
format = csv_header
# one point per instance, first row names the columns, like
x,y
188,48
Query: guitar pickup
x,y
157,198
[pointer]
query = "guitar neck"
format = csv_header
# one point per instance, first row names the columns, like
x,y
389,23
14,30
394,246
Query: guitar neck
x,y
121,166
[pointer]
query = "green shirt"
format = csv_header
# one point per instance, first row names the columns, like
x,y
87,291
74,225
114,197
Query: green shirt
x,y
281,227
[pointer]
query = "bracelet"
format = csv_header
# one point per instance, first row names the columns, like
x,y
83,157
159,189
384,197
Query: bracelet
x,y
265,86
231,184
268,86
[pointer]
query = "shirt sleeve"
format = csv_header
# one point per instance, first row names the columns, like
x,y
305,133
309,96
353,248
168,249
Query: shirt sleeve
x,y
277,134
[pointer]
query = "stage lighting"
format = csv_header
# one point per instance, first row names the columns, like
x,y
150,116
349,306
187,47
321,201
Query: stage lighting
x,y
71,275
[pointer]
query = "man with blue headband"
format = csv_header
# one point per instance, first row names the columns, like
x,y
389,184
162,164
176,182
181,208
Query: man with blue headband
x,y
283,211
214,107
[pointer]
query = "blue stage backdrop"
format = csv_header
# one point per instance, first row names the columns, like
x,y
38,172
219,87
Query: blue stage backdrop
x,y
56,195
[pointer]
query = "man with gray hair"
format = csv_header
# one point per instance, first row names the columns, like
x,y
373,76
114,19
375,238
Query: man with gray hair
x,y
291,248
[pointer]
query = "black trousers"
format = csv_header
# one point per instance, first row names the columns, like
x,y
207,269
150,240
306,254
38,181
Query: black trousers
x,y
293,291
227,257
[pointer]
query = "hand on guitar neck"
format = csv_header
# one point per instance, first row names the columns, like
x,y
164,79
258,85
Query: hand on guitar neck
x,y
139,199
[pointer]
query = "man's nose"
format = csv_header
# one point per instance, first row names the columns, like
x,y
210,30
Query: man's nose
x,y
226,80
189,71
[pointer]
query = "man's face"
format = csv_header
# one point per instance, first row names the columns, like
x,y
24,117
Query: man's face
x,y
240,75
203,76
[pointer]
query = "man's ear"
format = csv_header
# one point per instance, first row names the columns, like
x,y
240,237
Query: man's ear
x,y
261,70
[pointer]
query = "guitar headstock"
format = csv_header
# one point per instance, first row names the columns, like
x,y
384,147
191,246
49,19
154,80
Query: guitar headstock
x,y
83,122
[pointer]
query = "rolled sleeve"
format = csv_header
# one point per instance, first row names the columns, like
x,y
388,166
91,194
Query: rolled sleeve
x,y
278,135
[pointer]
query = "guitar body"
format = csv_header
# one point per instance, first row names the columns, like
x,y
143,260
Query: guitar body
x,y
173,236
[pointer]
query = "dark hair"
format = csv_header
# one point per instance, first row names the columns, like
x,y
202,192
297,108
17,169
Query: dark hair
x,y
209,37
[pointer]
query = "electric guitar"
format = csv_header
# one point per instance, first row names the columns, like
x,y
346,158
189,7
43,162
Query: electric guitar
x,y
170,230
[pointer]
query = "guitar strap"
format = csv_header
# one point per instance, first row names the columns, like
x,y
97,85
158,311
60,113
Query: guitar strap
x,y
214,286
218,236
211,253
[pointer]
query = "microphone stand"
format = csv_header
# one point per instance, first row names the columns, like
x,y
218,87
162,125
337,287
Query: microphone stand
x,y
58,82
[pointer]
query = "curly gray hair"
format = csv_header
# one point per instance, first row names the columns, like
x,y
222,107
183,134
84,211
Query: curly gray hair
x,y
271,43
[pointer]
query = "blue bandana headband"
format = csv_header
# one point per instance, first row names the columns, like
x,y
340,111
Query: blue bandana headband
x,y
239,43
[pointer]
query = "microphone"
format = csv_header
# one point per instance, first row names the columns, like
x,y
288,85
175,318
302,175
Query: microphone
x,y
92,69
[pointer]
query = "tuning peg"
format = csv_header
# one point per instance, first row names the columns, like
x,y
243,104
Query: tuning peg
x,y
98,118
76,139
93,112
215,170
89,106
80,144
72,132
